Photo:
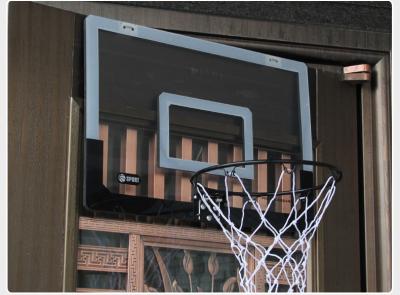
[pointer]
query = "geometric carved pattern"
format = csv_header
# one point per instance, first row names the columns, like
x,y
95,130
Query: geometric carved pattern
x,y
135,264
109,259
170,231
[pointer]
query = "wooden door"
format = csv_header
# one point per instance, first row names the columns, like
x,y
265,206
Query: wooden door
x,y
40,144
338,250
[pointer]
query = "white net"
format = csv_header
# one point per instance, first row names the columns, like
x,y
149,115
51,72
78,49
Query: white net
x,y
288,268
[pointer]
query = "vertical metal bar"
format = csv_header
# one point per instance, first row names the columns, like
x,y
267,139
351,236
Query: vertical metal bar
x,y
183,187
129,159
156,177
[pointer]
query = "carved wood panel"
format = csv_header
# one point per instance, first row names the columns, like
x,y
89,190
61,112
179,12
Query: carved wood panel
x,y
187,242
135,264
178,232
95,258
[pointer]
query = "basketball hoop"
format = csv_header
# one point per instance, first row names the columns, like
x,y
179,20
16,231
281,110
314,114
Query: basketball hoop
x,y
308,205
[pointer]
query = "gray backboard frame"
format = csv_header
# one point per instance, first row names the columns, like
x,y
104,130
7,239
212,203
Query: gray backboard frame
x,y
95,23
168,99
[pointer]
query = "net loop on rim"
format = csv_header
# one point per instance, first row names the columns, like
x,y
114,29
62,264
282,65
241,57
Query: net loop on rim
x,y
283,263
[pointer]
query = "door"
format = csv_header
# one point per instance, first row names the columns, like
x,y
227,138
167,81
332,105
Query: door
x,y
339,248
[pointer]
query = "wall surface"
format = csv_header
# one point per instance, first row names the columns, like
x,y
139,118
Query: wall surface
x,y
39,84
355,15
304,37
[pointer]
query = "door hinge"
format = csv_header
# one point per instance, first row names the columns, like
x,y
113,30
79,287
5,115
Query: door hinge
x,y
357,73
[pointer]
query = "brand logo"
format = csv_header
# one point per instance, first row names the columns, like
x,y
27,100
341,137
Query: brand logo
x,y
273,60
126,178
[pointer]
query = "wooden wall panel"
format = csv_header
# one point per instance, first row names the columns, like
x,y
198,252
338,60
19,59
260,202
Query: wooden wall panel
x,y
183,187
237,201
212,157
283,203
39,83
261,178
156,182
129,147
103,135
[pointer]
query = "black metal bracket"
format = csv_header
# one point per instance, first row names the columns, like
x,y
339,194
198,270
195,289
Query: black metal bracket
x,y
202,213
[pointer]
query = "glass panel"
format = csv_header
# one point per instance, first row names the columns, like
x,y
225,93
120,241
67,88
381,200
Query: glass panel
x,y
102,280
107,239
192,128
99,279
133,73
189,271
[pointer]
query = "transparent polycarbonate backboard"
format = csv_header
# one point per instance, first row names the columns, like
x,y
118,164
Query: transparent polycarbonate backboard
x,y
164,105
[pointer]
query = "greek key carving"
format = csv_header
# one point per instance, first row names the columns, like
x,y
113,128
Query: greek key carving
x,y
135,264
97,258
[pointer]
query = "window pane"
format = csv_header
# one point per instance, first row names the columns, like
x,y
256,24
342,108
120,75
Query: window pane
x,y
189,271
98,238
102,280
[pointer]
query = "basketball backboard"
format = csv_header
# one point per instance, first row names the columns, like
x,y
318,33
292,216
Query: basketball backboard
x,y
160,106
